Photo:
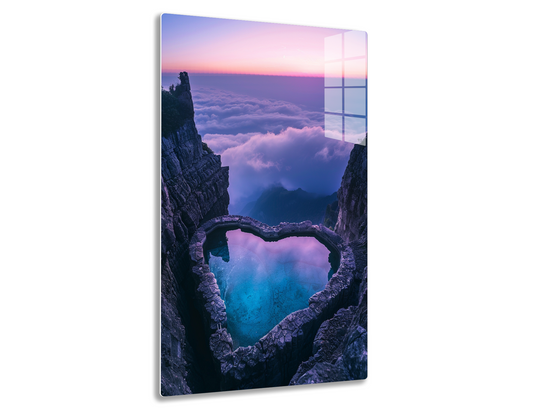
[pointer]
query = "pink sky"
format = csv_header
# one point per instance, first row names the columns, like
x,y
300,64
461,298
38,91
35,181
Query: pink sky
x,y
208,45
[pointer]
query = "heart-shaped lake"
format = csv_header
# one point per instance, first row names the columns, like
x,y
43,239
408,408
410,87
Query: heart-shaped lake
x,y
261,282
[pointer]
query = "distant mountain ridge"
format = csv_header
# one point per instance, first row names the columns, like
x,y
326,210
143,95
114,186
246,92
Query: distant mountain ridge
x,y
277,204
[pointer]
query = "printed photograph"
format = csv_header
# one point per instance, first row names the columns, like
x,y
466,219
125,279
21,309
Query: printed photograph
x,y
264,139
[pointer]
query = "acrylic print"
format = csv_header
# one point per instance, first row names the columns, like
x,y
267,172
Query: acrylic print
x,y
263,205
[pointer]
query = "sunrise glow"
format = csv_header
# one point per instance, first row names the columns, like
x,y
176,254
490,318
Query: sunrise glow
x,y
207,45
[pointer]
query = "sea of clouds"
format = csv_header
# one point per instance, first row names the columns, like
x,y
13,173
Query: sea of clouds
x,y
269,142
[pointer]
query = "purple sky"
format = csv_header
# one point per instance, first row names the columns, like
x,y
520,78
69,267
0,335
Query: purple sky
x,y
269,129
211,45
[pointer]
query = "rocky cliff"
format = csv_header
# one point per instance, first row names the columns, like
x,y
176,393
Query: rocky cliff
x,y
352,219
193,190
340,345
352,196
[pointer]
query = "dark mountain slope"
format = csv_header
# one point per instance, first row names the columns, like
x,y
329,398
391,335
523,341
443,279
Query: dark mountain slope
x,y
277,205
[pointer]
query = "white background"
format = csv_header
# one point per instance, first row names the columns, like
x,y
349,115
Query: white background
x,y
450,204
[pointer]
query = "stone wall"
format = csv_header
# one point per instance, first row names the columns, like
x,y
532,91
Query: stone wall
x,y
275,358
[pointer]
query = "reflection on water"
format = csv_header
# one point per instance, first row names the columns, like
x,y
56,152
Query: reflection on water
x,y
262,282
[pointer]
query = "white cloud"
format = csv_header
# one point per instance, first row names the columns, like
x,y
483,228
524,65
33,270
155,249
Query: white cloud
x,y
218,111
296,158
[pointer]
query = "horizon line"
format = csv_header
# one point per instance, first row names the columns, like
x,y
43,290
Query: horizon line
x,y
257,74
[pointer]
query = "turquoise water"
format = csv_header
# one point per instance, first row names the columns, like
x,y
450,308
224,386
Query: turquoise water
x,y
262,282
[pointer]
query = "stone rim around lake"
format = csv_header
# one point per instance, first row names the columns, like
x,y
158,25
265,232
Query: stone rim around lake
x,y
263,281
271,360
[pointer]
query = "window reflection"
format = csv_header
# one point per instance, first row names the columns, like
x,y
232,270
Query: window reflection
x,y
345,87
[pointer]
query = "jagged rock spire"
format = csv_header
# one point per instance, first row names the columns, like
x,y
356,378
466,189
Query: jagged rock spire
x,y
184,80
